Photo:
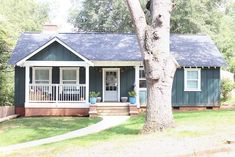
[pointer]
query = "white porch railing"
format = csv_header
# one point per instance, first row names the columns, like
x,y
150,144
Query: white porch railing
x,y
57,93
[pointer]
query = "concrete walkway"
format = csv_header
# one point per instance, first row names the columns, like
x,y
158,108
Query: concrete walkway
x,y
106,123
8,118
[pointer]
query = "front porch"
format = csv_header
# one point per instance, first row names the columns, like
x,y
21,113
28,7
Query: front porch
x,y
48,84
61,88
60,84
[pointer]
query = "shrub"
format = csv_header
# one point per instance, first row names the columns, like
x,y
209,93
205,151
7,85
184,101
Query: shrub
x,y
226,87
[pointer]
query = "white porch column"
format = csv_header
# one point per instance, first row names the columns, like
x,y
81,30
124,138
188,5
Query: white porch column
x,y
137,71
26,85
87,84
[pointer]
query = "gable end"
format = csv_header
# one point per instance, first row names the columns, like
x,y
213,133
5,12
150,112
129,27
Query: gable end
x,y
55,52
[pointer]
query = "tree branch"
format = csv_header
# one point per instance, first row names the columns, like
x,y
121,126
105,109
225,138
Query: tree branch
x,y
139,20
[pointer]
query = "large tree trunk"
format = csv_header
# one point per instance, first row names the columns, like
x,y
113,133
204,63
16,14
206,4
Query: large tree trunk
x,y
160,65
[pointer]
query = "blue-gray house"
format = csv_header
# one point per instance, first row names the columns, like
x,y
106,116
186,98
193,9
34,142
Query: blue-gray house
x,y
54,73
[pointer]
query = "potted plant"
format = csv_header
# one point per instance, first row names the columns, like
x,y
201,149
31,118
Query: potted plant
x,y
93,96
98,99
132,97
124,99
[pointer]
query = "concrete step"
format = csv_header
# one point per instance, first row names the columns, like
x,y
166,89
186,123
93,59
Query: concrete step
x,y
113,109
114,114
111,104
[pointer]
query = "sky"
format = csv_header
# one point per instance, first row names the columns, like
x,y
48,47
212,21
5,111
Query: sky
x,y
59,12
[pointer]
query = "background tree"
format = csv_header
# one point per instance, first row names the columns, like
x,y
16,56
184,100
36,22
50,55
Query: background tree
x,y
15,17
102,16
213,17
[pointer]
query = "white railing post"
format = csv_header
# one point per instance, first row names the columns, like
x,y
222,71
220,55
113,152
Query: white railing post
x,y
137,71
26,85
56,93
87,84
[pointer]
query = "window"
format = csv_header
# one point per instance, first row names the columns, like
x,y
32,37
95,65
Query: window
x,y
69,75
142,79
192,79
41,75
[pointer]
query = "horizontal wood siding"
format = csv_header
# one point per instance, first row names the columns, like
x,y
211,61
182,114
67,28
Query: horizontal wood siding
x,y
55,52
55,75
127,80
19,98
82,75
209,94
95,82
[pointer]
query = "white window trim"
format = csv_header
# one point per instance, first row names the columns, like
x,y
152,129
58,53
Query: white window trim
x,y
69,68
185,79
42,68
142,89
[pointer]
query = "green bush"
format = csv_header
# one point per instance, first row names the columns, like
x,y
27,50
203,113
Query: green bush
x,y
226,87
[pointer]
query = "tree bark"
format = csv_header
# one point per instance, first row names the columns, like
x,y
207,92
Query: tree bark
x,y
159,64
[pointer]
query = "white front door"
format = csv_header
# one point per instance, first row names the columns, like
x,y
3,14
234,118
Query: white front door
x,y
111,84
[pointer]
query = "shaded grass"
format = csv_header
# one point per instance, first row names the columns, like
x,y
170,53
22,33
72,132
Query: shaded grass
x,y
188,124
230,101
27,129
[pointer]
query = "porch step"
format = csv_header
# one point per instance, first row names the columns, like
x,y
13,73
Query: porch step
x,y
113,114
113,110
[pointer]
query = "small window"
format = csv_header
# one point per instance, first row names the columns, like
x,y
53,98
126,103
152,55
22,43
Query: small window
x,y
41,75
69,76
142,79
192,79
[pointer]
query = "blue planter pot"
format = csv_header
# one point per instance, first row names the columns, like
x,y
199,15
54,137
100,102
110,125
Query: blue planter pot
x,y
132,100
93,100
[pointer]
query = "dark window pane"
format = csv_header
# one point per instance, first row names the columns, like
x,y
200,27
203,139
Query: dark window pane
x,y
142,84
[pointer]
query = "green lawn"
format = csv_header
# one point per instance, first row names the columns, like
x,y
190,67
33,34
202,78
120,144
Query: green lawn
x,y
27,129
188,124
230,101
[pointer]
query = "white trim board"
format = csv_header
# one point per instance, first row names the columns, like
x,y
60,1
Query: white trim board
x,y
103,81
55,63
57,105
55,39
116,63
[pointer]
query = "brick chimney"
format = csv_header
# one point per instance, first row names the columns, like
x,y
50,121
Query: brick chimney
x,y
50,28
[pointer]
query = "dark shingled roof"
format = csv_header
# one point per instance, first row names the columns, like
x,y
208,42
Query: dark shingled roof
x,y
189,50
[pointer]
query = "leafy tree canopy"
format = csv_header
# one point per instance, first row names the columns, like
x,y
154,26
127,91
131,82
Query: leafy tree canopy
x,y
102,16
16,17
